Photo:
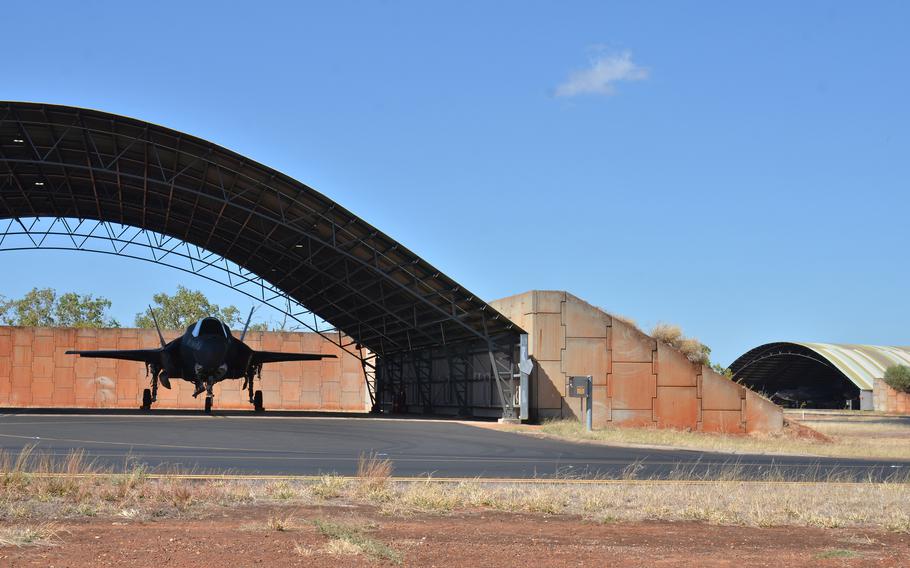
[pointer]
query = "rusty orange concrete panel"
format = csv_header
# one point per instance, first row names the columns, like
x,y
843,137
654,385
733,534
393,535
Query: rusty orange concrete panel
x,y
6,387
23,336
310,380
630,345
633,418
331,395
127,389
586,356
601,415
549,384
108,338
514,306
632,386
724,421
230,395
571,408
352,382
887,399
720,393
86,341
548,302
61,359
42,389
43,346
762,415
271,342
583,320
22,355
21,377
45,376
65,377
549,337
289,370
43,367
352,401
289,391
63,396
674,369
676,407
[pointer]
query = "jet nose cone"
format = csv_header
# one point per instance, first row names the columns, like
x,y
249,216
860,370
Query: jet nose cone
x,y
211,354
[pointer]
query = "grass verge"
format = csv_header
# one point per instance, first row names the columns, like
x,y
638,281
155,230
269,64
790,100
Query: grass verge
x,y
351,539
27,497
43,534
849,441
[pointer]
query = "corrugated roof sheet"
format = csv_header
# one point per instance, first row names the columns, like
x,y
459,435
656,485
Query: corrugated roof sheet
x,y
862,364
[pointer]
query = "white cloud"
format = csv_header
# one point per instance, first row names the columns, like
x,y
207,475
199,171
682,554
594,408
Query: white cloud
x,y
605,70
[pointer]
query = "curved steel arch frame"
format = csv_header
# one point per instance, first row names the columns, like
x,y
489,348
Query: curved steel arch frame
x,y
791,365
68,163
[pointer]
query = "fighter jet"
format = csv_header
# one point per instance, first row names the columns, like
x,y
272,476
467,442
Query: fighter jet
x,y
809,396
207,353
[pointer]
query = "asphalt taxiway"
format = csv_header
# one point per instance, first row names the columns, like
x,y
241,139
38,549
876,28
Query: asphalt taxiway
x,y
306,445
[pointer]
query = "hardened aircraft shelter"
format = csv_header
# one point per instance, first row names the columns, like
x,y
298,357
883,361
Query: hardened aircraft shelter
x,y
824,375
85,180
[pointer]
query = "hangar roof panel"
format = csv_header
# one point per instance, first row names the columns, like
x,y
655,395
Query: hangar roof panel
x,y
861,364
67,162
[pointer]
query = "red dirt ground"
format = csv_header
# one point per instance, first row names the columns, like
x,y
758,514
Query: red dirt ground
x,y
475,539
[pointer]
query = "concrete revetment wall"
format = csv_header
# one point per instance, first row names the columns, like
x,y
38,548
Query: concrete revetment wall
x,y
638,381
887,399
36,372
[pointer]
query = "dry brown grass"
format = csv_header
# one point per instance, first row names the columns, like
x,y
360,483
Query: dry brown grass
x,y
43,534
726,500
722,502
352,539
849,441
374,474
672,335
667,333
625,319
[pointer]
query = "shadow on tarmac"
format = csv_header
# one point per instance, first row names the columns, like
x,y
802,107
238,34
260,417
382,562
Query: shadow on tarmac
x,y
215,412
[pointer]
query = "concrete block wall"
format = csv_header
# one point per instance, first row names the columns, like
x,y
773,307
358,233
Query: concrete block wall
x,y
36,372
638,381
887,399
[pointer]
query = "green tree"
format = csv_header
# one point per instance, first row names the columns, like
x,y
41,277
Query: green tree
x,y
41,307
184,308
898,378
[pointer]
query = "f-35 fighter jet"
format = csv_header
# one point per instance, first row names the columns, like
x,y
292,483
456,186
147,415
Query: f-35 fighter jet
x,y
207,353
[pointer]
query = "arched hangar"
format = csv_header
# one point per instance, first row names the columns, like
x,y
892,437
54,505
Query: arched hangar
x,y
85,180
817,375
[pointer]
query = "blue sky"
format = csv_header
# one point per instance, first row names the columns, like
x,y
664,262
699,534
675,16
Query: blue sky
x,y
740,169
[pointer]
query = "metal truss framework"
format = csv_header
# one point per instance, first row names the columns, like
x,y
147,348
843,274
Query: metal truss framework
x,y
464,379
201,205
104,237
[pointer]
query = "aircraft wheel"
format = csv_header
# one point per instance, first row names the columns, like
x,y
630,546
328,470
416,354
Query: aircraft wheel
x,y
208,405
146,399
257,402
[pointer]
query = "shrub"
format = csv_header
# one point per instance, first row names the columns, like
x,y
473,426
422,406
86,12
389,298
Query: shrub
x,y
668,333
672,335
898,378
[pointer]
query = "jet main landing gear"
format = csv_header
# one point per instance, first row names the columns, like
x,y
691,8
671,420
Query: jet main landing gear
x,y
146,399
255,397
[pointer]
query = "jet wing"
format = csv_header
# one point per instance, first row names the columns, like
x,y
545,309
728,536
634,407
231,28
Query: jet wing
x,y
145,355
276,357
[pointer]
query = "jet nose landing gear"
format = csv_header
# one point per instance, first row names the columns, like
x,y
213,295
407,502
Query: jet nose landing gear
x,y
208,405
